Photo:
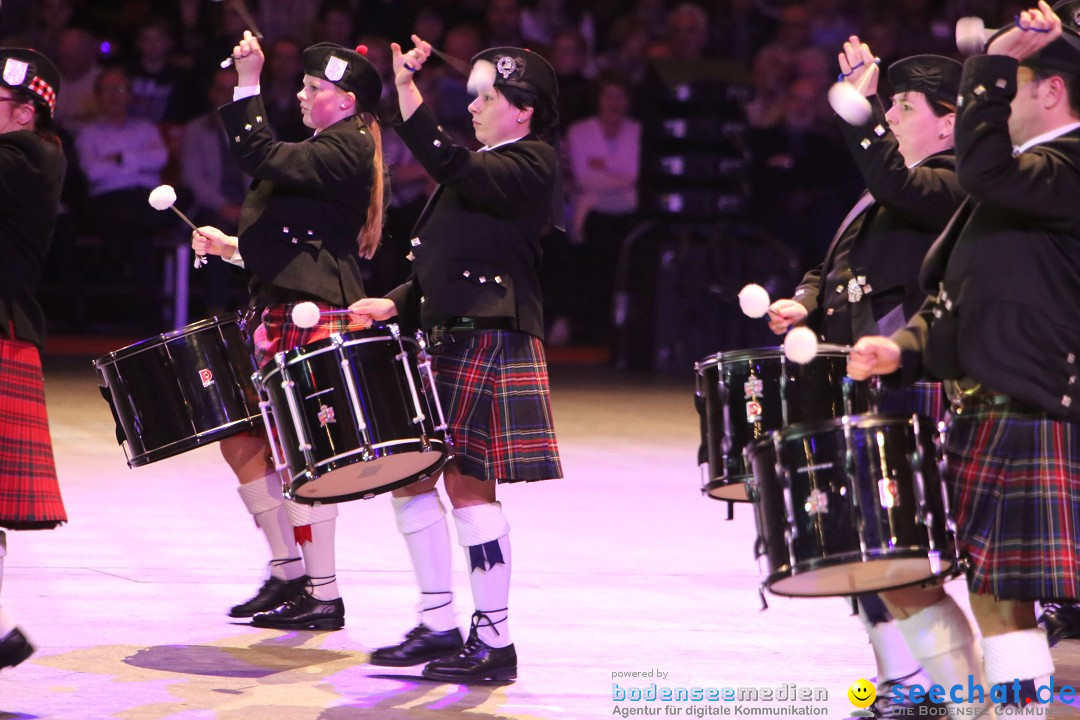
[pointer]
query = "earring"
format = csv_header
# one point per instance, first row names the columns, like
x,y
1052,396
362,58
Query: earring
x,y
342,106
941,136
520,121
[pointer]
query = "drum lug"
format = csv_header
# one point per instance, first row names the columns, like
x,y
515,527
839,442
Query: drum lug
x,y
761,595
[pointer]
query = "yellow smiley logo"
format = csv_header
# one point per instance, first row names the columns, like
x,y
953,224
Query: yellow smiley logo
x,y
862,693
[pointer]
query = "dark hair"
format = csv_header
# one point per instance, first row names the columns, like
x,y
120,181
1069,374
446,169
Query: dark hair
x,y
1072,85
939,107
545,115
43,123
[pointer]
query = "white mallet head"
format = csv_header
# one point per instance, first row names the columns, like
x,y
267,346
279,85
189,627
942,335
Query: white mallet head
x,y
162,197
305,314
801,345
847,102
971,35
754,300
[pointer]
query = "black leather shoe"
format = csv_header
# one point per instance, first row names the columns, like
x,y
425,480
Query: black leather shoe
x,y
303,612
14,648
1062,622
420,645
271,595
477,662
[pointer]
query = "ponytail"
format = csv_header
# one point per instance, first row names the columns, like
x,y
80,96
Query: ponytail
x,y
371,234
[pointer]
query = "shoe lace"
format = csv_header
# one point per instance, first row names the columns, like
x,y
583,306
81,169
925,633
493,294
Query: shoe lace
x,y
885,706
480,619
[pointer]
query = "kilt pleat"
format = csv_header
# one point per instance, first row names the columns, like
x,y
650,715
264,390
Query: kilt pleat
x,y
1015,479
494,388
29,492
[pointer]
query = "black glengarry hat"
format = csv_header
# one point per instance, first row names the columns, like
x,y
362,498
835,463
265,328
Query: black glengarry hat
x,y
29,70
513,67
348,69
935,76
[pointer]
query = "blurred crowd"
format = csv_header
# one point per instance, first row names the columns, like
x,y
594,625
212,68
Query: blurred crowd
x,y
141,80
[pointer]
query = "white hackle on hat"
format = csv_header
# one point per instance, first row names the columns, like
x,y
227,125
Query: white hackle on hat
x,y
847,101
163,197
306,314
801,345
754,300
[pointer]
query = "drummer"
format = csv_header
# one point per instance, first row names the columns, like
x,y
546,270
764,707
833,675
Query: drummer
x,y
1003,329
314,209
32,171
474,288
868,281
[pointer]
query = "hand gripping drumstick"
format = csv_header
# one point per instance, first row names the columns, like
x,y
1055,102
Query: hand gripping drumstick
x,y
163,197
847,101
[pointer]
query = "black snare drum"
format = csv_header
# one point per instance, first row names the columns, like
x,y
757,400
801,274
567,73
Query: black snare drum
x,y
850,506
180,390
749,393
354,416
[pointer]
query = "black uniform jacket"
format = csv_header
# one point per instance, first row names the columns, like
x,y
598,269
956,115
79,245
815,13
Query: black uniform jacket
x,y
306,206
31,174
883,247
1006,271
476,246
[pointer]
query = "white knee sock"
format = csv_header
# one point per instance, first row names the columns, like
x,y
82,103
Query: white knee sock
x,y
318,546
1019,655
484,533
891,653
940,637
6,623
263,500
421,519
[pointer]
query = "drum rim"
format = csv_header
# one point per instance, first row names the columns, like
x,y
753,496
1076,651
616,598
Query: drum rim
x,y
298,354
860,421
435,467
824,349
160,339
949,556
178,447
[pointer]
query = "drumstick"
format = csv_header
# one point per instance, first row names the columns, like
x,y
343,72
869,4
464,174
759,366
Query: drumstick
x,y
163,197
458,64
242,11
754,300
306,314
847,101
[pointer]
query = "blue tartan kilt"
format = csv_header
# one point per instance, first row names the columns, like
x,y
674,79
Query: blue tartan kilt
x,y
1015,480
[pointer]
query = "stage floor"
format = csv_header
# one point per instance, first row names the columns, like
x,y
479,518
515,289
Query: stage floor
x,y
622,567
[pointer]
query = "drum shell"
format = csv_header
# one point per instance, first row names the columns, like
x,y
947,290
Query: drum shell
x,y
854,501
181,390
328,418
750,393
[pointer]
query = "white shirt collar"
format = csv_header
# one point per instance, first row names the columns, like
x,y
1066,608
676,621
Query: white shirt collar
x,y
505,142
1048,136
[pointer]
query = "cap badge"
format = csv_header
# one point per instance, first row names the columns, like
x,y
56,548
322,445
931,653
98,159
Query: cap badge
x,y
15,71
506,66
335,68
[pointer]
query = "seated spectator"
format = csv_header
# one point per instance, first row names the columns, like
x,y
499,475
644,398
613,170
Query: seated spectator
x,y
604,152
122,159
217,186
77,61
282,74
158,87
569,57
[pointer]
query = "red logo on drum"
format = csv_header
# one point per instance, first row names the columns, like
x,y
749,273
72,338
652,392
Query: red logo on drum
x,y
753,388
888,493
753,411
207,377
817,503
326,415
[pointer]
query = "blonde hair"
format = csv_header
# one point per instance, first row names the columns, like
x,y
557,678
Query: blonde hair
x,y
371,234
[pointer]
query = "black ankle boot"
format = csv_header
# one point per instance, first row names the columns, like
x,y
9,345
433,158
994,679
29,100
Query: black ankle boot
x,y
14,648
477,661
303,612
420,645
271,595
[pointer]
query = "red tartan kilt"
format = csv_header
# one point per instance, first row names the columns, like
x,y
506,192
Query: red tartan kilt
x,y
277,332
29,492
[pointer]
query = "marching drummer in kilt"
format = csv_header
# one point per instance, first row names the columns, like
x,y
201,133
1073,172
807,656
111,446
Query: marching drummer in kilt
x,y
314,208
474,290
31,173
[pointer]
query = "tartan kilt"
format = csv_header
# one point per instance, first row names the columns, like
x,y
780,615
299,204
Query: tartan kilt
x,y
29,491
1015,480
924,398
277,331
494,389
